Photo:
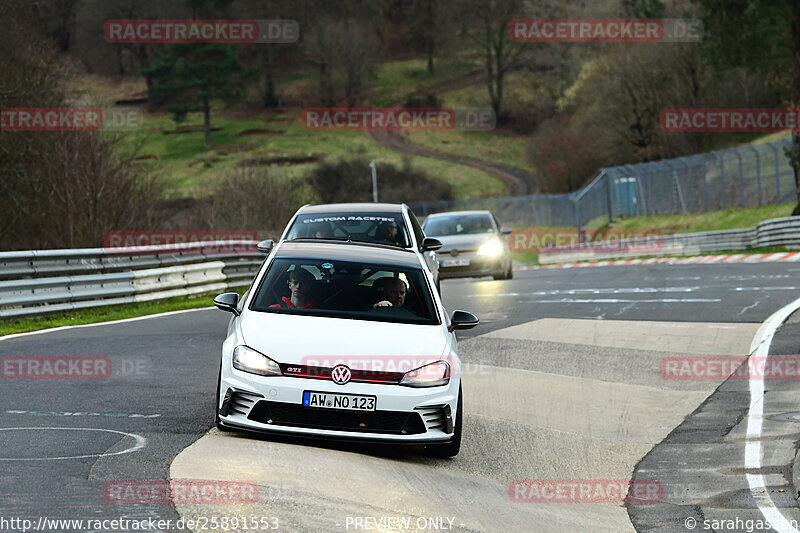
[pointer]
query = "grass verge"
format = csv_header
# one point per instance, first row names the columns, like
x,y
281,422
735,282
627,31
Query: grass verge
x,y
694,222
105,314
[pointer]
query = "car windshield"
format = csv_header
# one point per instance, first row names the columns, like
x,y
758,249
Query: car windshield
x,y
373,227
458,225
345,289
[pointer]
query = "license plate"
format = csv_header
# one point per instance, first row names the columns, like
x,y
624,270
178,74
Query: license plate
x,y
459,262
334,400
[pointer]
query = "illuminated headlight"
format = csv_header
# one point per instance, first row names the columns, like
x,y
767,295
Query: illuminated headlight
x,y
431,375
491,248
248,360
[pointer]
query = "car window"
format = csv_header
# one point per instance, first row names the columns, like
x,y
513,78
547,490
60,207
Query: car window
x,y
374,227
459,225
345,289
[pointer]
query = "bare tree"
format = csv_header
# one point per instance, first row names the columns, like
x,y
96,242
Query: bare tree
x,y
429,26
81,186
346,54
267,55
620,94
263,199
610,115
486,27
65,188
119,58
58,18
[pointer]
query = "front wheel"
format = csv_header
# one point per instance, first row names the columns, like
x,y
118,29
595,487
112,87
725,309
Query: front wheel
x,y
449,449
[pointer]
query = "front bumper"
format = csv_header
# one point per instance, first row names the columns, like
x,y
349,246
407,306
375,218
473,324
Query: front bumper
x,y
274,405
478,266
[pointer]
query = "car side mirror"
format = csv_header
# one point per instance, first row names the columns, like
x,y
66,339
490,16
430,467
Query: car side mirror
x,y
505,230
429,244
265,247
462,320
228,302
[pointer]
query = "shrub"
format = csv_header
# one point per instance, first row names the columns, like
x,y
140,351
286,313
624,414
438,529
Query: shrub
x,y
351,181
247,199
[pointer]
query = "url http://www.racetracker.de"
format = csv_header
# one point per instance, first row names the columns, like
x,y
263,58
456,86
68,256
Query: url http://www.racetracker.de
x,y
214,523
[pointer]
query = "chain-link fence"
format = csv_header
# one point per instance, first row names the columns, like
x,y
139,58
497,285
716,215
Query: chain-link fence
x,y
750,175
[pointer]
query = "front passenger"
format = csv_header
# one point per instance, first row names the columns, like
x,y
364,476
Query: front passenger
x,y
301,283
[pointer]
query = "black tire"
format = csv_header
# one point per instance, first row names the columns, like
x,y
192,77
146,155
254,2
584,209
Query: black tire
x,y
449,449
217,421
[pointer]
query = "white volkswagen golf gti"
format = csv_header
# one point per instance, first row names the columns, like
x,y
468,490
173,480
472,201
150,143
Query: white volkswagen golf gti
x,y
343,340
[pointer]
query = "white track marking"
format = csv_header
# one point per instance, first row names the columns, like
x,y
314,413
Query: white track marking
x,y
120,321
701,259
755,418
141,442
623,301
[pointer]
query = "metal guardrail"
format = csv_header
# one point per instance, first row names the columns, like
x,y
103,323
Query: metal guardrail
x,y
36,282
776,232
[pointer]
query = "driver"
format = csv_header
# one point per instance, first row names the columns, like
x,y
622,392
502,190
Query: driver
x,y
387,232
301,281
394,293
322,230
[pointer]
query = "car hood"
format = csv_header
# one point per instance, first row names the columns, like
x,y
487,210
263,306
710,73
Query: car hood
x,y
464,242
296,339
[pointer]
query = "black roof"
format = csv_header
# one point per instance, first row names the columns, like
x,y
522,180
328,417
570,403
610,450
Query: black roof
x,y
348,251
360,207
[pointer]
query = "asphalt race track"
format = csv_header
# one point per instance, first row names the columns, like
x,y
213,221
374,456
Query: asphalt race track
x,y
564,381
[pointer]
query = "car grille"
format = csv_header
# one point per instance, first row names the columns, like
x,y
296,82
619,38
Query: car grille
x,y
295,415
456,252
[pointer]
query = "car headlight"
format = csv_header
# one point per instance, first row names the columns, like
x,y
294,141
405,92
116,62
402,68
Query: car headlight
x,y
247,359
431,375
491,248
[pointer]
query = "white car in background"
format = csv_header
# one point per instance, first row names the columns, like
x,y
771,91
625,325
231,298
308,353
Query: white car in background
x,y
344,357
380,224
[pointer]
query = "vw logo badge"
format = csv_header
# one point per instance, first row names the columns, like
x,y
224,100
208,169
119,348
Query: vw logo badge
x,y
340,374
